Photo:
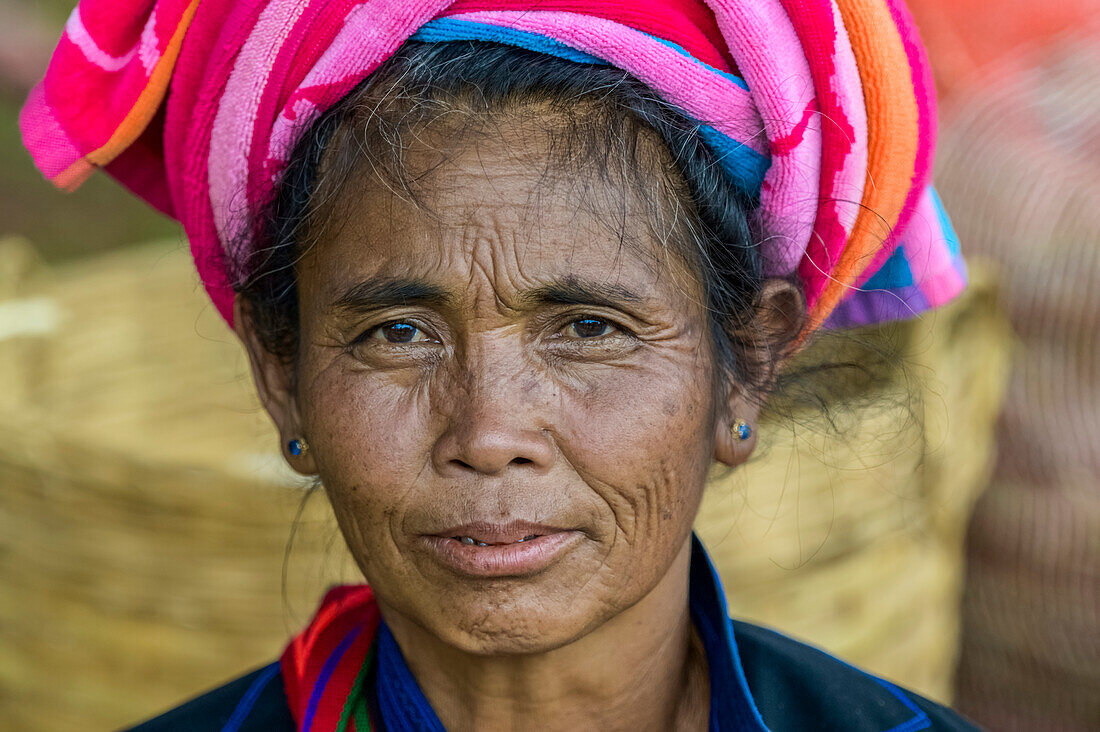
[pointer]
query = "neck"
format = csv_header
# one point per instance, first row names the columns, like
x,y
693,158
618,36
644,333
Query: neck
x,y
643,669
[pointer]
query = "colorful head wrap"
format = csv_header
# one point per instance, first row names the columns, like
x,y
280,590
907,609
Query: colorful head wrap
x,y
822,108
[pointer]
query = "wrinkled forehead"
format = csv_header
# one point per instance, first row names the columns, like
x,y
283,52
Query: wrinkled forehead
x,y
512,198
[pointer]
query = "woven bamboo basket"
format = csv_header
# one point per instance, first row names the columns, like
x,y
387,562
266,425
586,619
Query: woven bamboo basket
x,y
146,516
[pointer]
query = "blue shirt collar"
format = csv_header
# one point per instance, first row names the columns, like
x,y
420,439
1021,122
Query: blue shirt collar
x,y
404,708
731,703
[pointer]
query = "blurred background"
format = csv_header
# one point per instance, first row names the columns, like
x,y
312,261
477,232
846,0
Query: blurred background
x,y
153,544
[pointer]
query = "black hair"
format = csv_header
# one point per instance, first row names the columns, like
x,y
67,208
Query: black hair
x,y
607,123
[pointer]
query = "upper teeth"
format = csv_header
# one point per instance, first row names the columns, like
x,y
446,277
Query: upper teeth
x,y
472,541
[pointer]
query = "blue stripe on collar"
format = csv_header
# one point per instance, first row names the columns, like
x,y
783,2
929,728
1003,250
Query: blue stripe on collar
x,y
731,704
248,701
402,704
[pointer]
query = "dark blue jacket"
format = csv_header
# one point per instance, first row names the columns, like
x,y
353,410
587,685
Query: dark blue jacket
x,y
760,680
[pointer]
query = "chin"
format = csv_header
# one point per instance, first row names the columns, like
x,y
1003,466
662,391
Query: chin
x,y
524,623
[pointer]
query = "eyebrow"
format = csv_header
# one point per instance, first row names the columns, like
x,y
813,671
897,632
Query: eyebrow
x,y
571,290
376,293
380,292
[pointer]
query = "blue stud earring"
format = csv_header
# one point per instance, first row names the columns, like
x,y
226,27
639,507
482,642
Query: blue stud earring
x,y
297,447
742,430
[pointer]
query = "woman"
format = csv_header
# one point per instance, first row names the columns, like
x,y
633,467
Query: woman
x,y
511,276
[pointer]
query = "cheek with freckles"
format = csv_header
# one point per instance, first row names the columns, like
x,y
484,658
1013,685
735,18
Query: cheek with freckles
x,y
369,434
642,440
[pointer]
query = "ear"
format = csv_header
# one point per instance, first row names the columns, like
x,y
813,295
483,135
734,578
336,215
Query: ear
x,y
275,383
729,448
772,336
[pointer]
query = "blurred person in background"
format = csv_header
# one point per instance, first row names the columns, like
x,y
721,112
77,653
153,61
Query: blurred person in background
x,y
512,276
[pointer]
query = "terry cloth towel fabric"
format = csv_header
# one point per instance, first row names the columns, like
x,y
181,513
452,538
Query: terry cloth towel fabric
x,y
822,108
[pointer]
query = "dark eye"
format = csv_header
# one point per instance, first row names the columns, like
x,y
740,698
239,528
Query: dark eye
x,y
589,328
399,333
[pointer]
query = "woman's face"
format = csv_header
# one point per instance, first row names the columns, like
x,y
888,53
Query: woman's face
x,y
510,406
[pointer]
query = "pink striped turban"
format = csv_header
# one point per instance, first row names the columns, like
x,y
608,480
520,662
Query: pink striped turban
x,y
823,109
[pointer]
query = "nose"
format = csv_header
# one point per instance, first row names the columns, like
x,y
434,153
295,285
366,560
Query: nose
x,y
493,425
